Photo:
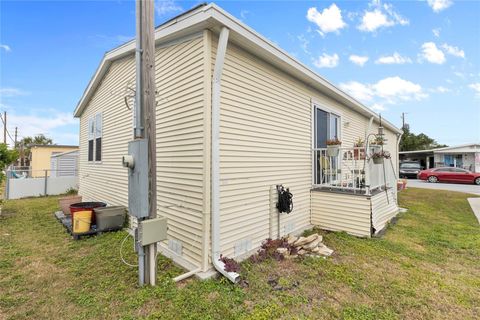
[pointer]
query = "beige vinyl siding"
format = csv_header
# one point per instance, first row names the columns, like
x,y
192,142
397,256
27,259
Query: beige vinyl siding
x,y
341,212
179,117
265,139
384,208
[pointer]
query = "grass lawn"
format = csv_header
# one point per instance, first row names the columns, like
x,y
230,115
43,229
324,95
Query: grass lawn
x,y
427,266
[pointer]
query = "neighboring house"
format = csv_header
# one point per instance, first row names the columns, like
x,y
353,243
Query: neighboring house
x,y
465,156
40,156
273,115
64,164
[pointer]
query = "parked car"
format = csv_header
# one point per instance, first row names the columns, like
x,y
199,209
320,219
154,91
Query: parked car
x,y
449,174
409,169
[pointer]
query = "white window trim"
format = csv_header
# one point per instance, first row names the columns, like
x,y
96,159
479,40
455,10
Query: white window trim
x,y
94,137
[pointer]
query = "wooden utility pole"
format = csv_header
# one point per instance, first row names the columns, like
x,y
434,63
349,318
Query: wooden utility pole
x,y
146,107
16,131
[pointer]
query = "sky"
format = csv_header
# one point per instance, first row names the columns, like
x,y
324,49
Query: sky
x,y
421,58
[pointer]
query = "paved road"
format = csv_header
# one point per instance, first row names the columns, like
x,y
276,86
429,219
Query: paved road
x,y
467,188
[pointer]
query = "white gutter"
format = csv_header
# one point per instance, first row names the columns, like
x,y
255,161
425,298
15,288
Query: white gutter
x,y
216,86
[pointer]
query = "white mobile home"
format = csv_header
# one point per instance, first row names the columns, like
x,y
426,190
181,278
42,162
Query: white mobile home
x,y
273,116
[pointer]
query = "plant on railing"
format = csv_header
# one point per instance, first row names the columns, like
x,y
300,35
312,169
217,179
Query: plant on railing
x,y
333,147
379,156
357,152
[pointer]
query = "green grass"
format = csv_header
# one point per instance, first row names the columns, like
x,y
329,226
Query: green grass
x,y
425,267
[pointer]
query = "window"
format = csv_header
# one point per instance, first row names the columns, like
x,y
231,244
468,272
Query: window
x,y
91,134
95,138
98,137
326,126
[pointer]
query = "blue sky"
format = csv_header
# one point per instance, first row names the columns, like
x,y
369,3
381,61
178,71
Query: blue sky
x,y
417,57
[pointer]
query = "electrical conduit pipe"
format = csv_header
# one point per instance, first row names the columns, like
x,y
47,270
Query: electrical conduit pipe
x,y
216,86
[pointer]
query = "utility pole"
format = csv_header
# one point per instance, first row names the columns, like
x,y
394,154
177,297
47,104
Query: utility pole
x,y
403,120
5,127
145,114
16,131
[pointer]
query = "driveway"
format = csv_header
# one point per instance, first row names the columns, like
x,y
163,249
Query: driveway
x,y
466,188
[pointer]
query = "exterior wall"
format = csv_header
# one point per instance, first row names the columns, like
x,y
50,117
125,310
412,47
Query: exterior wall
x,y
180,99
41,158
341,212
266,139
384,208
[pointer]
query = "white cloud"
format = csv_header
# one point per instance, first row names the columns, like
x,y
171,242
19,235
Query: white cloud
x,y
439,5
436,32
432,54
243,14
164,7
329,20
358,90
12,92
381,16
476,88
304,43
396,58
327,61
377,107
396,88
390,90
34,124
358,60
5,47
441,89
454,51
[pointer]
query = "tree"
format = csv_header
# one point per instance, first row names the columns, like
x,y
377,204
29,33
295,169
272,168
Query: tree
x,y
412,142
7,157
27,142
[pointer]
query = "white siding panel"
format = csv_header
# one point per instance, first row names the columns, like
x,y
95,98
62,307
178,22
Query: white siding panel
x,y
384,208
180,100
341,212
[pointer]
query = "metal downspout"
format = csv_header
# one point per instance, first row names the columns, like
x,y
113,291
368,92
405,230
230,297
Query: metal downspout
x,y
216,86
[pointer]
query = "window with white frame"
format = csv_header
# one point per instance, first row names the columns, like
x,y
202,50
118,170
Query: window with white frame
x,y
326,127
95,131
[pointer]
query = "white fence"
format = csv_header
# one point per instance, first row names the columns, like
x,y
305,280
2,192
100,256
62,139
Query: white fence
x,y
20,185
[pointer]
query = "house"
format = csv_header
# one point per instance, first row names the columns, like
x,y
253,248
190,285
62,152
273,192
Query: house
x,y
236,116
64,164
40,157
465,156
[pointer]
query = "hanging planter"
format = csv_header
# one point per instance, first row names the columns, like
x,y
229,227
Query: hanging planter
x,y
378,157
333,147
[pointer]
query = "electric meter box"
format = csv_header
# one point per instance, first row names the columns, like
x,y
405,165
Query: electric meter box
x,y
138,179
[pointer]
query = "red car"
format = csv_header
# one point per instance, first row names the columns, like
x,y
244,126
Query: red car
x,y
449,174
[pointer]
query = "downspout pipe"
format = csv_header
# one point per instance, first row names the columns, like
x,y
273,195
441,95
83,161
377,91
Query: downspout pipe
x,y
216,88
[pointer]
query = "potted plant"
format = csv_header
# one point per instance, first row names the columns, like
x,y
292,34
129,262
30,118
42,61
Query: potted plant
x,y
376,143
379,156
357,152
333,147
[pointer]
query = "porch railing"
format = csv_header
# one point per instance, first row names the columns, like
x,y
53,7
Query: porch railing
x,y
351,170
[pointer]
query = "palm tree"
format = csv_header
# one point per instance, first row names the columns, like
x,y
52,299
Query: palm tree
x,y
27,142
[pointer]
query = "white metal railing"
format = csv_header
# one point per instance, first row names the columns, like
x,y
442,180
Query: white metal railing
x,y
352,169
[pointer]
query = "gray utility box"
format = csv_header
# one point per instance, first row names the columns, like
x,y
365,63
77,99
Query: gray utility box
x,y
110,218
152,230
138,179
